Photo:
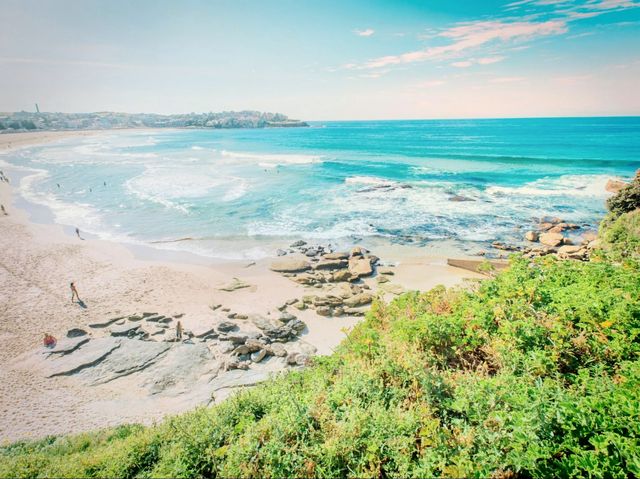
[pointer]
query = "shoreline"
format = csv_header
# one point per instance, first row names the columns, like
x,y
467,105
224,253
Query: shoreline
x,y
38,262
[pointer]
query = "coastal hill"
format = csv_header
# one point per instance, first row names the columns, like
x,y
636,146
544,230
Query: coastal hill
x,y
30,121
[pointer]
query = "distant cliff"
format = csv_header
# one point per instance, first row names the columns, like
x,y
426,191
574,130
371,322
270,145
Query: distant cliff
x,y
27,121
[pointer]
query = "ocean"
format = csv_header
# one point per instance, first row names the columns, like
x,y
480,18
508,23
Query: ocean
x,y
242,193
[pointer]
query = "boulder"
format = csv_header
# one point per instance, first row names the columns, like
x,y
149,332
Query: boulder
x,y
382,279
589,236
359,267
551,239
572,252
334,256
311,252
291,359
290,266
354,311
258,355
323,310
331,264
297,325
386,271
297,244
226,326
545,226
285,317
280,252
278,350
341,276
358,300
532,236
235,338
235,285
261,322
357,251
614,186
253,345
329,300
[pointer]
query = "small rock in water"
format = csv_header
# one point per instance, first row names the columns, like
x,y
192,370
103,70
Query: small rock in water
x,y
280,252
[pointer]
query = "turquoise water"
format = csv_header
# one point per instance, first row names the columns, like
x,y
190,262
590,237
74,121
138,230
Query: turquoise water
x,y
237,193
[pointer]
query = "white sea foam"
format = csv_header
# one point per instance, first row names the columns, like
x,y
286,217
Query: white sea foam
x,y
568,185
368,180
270,158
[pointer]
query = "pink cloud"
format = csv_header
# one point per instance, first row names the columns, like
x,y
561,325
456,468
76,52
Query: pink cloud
x,y
489,60
463,64
472,35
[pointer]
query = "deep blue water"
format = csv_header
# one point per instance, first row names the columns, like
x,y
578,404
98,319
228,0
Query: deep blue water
x,y
335,181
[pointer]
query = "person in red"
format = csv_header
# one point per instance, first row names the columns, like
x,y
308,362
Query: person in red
x,y
49,341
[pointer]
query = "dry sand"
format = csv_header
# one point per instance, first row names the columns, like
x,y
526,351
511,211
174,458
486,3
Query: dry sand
x,y
37,263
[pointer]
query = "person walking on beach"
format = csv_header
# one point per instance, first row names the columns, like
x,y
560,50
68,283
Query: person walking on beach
x,y
4,212
74,293
179,331
78,234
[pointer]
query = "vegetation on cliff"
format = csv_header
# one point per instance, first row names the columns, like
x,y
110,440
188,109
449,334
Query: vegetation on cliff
x,y
533,373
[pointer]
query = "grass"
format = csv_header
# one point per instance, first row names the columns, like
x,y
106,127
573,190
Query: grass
x,y
533,373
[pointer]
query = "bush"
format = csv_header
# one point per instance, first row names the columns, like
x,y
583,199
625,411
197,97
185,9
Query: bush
x,y
620,236
627,199
533,374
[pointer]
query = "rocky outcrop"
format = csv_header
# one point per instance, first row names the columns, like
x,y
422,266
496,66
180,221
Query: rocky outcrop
x,y
360,267
532,236
614,186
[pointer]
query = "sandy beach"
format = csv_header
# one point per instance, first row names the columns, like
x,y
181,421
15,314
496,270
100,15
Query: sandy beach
x,y
37,263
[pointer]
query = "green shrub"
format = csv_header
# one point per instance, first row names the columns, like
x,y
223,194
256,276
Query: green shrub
x,y
627,199
620,235
535,373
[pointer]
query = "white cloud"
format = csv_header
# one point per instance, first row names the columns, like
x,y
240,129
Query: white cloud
x,y
463,64
364,33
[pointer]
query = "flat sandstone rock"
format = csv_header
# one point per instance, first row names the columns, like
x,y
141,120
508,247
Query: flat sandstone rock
x,y
290,266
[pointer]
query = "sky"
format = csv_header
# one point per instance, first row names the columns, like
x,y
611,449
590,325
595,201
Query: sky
x,y
323,59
